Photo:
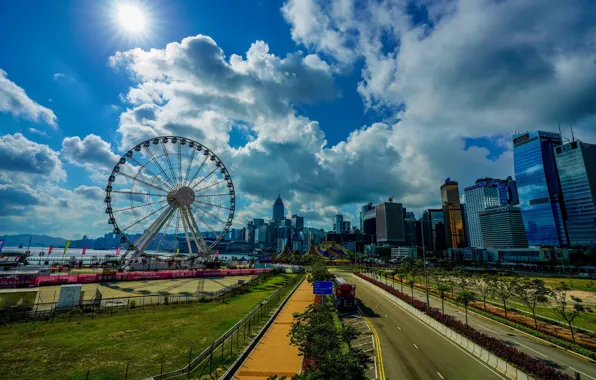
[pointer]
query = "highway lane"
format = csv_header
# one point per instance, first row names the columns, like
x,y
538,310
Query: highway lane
x,y
542,350
411,349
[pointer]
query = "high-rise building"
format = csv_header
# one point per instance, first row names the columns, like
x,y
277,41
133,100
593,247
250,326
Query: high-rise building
x,y
298,222
433,233
345,227
390,223
363,211
487,192
452,214
538,188
250,232
278,209
576,164
337,223
503,227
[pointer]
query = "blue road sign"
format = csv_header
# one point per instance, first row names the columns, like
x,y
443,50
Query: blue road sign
x,y
322,287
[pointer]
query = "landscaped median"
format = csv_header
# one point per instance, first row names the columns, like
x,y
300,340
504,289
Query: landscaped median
x,y
525,364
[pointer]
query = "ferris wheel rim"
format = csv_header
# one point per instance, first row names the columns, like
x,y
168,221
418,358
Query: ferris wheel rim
x,y
192,210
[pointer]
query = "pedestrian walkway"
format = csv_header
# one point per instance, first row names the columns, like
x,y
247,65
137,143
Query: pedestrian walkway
x,y
274,355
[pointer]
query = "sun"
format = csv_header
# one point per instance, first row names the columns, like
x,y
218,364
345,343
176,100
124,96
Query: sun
x,y
132,18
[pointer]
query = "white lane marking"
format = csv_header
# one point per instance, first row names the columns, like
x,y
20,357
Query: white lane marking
x,y
441,376
540,353
382,293
399,327
571,368
487,329
415,346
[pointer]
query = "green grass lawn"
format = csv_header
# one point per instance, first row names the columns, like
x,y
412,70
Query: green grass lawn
x,y
104,345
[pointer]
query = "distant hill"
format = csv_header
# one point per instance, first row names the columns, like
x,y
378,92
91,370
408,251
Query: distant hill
x,y
36,241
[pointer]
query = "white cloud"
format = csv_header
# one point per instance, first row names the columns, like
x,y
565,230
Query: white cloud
x,y
57,76
14,100
27,159
38,132
92,153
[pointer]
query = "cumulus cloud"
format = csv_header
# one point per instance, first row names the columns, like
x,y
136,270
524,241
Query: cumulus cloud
x,y
24,158
93,193
92,152
14,199
14,100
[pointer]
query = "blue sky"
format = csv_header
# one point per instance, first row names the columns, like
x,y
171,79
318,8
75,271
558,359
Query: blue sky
x,y
350,101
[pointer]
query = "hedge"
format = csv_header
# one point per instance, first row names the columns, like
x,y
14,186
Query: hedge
x,y
523,361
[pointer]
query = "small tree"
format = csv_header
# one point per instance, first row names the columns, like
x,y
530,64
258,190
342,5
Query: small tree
x,y
465,297
568,314
503,289
484,286
451,280
531,293
443,288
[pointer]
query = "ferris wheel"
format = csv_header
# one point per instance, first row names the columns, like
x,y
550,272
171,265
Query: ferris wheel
x,y
170,193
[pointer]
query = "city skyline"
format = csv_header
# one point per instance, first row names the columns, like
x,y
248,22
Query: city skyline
x,y
379,112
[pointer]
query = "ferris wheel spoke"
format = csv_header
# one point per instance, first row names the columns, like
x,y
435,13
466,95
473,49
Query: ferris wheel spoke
x,y
202,221
162,171
135,207
213,184
180,161
145,217
192,157
141,181
165,151
212,195
144,167
204,178
211,215
137,193
213,205
198,170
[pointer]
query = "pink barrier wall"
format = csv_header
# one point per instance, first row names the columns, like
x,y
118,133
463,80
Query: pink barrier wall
x,y
25,281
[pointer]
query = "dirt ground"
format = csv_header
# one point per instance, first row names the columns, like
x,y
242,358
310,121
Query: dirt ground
x,y
142,288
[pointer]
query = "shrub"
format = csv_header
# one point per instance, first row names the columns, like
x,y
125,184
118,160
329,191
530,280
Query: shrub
x,y
132,304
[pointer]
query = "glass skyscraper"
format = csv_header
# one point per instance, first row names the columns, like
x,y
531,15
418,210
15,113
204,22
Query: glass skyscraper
x,y
278,209
538,188
576,163
454,221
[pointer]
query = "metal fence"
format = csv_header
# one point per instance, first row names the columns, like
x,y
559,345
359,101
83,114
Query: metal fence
x,y
118,305
230,345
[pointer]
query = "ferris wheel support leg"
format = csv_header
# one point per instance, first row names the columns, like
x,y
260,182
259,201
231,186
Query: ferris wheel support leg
x,y
203,249
185,225
152,231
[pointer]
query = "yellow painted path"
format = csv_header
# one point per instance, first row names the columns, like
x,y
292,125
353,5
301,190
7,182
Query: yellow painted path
x,y
274,355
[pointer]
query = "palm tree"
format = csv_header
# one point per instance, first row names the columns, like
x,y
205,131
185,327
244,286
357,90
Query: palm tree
x,y
465,297
443,288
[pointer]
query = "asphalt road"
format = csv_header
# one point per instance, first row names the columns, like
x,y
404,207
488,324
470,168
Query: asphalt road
x,y
542,350
410,348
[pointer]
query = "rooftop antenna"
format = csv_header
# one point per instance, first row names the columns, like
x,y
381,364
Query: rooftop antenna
x,y
572,136
560,135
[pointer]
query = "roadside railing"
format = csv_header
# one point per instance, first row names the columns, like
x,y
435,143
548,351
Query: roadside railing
x,y
230,345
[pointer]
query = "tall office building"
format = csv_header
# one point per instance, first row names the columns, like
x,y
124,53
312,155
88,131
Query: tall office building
x,y
337,223
278,209
297,222
363,211
485,193
538,187
503,227
454,221
433,230
346,227
369,222
576,164
390,223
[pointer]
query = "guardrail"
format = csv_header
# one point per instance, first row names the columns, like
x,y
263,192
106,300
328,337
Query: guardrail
x,y
208,361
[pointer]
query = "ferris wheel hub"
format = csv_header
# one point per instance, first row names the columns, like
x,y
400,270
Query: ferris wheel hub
x,y
183,196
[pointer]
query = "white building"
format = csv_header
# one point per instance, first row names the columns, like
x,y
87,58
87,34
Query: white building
x,y
478,198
